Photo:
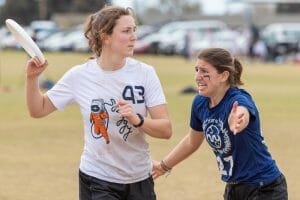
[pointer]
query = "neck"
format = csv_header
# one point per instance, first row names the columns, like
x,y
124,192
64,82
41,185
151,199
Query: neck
x,y
111,62
218,96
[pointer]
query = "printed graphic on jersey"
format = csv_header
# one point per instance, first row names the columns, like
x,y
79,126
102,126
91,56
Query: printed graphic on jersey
x,y
217,136
130,91
99,119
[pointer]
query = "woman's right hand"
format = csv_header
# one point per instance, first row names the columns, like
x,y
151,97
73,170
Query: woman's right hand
x,y
34,67
157,171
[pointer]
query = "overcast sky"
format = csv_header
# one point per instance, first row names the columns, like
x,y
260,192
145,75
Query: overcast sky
x,y
2,2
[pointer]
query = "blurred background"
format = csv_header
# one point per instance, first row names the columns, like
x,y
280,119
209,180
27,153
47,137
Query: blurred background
x,y
39,158
268,30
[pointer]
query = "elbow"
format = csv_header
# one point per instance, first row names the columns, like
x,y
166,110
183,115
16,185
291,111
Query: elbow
x,y
35,114
168,132
168,135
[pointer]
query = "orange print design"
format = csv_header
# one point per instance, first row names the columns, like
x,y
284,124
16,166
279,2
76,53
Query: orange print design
x,y
98,118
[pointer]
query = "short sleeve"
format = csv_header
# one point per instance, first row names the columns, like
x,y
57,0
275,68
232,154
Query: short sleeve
x,y
248,103
244,99
154,94
195,122
61,94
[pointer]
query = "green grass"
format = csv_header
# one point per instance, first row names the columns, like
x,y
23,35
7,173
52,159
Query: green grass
x,y
39,157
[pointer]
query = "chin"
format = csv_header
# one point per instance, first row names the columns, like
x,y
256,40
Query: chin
x,y
202,93
128,54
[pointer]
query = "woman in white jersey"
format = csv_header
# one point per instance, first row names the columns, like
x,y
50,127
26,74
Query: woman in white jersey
x,y
114,93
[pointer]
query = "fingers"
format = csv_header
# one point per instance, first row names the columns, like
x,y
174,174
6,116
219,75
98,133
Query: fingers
x,y
155,175
125,108
235,119
34,67
121,102
156,171
35,62
234,107
238,123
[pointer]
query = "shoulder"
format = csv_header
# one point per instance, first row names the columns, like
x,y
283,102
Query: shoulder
x,y
199,101
86,67
134,64
242,97
238,94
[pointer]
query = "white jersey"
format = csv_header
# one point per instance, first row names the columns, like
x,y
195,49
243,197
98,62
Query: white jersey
x,y
126,158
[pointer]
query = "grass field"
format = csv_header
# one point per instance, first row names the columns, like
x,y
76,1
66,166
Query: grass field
x,y
39,158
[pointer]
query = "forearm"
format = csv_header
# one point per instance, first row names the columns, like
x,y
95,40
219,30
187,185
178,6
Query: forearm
x,y
35,99
187,146
157,125
158,128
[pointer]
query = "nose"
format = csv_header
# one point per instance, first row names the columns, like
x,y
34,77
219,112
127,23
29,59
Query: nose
x,y
198,75
133,36
201,76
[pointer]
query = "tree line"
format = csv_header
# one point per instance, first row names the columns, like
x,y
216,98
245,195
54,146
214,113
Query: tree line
x,y
25,11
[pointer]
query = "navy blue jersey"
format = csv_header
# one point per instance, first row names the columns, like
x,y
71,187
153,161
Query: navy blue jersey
x,y
243,157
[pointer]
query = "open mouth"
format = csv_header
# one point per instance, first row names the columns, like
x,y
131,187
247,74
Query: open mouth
x,y
201,86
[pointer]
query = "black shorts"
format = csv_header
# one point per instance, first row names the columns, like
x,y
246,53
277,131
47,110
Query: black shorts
x,y
277,190
91,188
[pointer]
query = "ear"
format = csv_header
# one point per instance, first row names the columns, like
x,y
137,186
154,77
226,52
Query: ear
x,y
103,38
225,76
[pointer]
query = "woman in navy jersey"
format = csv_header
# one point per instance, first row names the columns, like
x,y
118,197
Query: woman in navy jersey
x,y
227,117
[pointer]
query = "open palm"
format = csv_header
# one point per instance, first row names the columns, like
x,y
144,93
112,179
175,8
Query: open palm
x,y
236,119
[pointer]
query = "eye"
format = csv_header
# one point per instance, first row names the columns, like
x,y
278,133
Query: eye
x,y
196,69
203,71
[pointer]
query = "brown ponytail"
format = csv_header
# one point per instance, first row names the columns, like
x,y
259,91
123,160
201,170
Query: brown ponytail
x,y
222,60
237,72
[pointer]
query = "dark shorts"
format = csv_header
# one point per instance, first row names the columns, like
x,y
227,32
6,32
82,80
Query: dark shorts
x,y
276,190
91,188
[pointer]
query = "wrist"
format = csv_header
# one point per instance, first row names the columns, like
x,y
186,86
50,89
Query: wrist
x,y
164,167
32,78
141,122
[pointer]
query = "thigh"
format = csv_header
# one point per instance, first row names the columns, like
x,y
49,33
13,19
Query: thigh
x,y
143,190
276,190
84,187
228,192
240,192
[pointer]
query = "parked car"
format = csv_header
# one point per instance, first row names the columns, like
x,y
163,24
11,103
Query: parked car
x,y
9,41
167,33
53,42
68,40
43,28
144,30
282,38
233,41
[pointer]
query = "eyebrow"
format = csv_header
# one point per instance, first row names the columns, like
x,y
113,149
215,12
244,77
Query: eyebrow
x,y
201,67
130,27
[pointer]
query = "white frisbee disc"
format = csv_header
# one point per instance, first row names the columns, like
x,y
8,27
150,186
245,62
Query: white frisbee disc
x,y
25,40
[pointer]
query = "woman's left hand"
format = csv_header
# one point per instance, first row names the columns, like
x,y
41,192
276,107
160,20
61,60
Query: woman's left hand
x,y
238,118
126,110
